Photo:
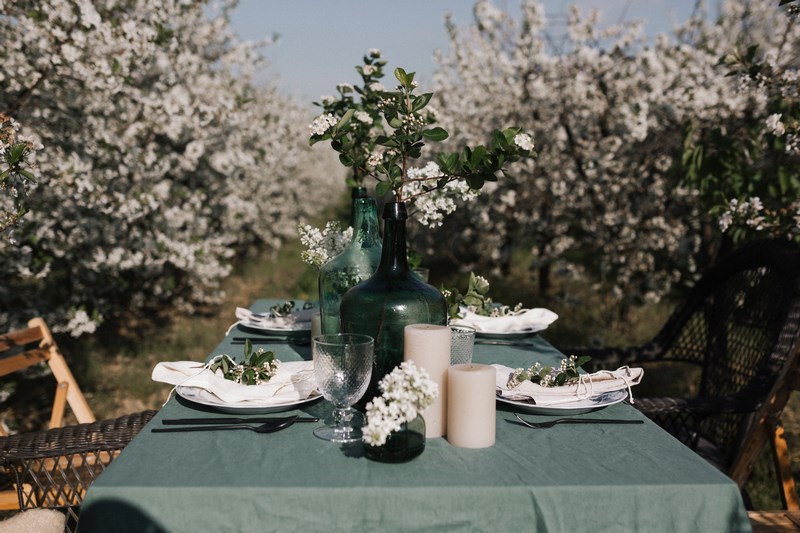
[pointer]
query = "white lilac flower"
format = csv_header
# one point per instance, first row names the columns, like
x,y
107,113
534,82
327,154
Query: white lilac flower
x,y
322,123
524,141
774,124
432,206
326,99
406,391
363,116
344,88
374,53
377,87
322,245
368,69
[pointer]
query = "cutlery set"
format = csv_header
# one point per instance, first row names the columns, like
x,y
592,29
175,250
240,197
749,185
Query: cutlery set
x,y
273,424
551,423
267,424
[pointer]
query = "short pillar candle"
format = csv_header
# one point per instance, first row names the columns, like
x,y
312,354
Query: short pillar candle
x,y
429,347
471,417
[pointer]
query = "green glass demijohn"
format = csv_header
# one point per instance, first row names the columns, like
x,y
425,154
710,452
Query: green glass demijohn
x,y
391,299
357,262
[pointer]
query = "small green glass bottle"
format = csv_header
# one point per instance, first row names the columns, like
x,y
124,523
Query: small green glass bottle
x,y
357,262
391,299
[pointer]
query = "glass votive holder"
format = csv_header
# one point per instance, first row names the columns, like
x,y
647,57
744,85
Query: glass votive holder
x,y
462,342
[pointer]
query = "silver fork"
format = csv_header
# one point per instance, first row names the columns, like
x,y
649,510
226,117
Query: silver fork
x,y
551,423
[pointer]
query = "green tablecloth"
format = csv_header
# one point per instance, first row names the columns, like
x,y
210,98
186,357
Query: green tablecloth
x,y
569,478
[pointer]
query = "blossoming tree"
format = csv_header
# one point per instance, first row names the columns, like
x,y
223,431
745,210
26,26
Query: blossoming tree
x,y
162,160
609,111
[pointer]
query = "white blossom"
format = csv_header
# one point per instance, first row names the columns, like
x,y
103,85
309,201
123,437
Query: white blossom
x,y
524,141
363,116
322,124
774,124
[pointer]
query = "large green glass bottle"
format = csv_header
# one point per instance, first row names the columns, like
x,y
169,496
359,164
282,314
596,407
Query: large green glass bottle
x,y
357,262
391,299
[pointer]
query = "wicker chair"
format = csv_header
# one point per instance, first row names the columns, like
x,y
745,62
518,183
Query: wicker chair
x,y
740,326
53,468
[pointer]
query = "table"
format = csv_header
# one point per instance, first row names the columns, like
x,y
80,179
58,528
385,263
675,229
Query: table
x,y
569,478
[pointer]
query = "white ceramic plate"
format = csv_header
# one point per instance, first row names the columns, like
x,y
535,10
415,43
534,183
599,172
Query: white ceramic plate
x,y
506,335
298,330
572,408
191,394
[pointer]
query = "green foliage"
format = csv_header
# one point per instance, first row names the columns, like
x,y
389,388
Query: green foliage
x,y
355,139
257,366
410,127
547,376
746,170
15,175
476,299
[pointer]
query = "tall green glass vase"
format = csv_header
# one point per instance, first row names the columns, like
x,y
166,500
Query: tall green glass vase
x,y
391,299
357,262
356,193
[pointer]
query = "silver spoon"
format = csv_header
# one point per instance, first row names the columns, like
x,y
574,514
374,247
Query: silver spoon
x,y
551,423
269,427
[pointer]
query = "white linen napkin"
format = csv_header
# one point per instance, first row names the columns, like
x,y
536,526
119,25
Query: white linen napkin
x,y
298,320
588,386
526,320
294,381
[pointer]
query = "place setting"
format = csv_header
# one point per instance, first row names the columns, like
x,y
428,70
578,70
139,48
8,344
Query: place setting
x,y
288,321
259,384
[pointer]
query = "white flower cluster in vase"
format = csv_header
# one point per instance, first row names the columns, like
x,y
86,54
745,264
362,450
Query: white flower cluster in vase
x,y
322,245
406,391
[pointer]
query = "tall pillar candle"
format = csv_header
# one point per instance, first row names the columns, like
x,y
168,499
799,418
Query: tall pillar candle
x,y
429,347
471,418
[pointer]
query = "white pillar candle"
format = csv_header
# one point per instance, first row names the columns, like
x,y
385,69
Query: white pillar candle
x,y
429,347
471,417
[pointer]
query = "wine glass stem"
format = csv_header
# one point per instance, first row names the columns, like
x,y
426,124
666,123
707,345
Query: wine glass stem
x,y
341,419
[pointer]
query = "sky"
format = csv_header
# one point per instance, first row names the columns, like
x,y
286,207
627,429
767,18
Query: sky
x,y
321,41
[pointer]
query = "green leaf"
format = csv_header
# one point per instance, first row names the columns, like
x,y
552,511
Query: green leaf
x,y
345,120
478,155
498,140
346,160
421,101
382,188
435,134
383,140
475,181
28,175
396,122
401,76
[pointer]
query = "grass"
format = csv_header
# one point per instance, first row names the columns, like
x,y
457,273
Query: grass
x,y
115,371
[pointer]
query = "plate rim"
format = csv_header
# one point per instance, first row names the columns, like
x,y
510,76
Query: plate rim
x,y
568,407
263,409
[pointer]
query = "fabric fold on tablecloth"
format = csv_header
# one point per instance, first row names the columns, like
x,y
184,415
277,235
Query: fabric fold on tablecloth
x,y
523,321
294,381
588,386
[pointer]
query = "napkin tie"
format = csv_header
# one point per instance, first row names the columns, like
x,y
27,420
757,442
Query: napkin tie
x,y
584,387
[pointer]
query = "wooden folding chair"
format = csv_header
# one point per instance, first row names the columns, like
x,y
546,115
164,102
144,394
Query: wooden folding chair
x,y
24,348
28,347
